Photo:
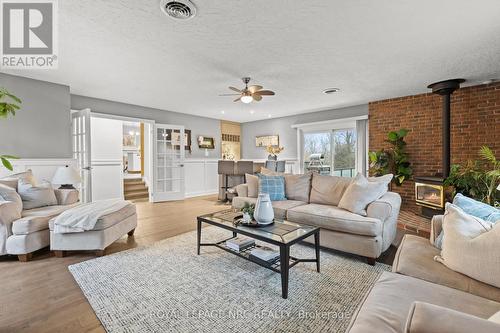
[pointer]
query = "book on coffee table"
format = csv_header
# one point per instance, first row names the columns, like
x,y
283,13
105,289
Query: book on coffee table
x,y
240,243
265,255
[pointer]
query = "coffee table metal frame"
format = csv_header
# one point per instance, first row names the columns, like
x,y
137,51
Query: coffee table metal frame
x,y
286,261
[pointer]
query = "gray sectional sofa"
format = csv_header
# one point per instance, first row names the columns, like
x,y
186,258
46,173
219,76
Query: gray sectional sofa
x,y
315,203
424,296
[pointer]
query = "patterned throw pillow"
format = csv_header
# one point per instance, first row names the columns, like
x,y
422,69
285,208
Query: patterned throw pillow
x,y
272,185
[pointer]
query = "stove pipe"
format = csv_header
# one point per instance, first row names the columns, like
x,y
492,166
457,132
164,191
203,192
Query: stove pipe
x,y
445,89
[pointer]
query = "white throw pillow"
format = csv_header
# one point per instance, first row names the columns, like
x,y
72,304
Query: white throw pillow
x,y
362,192
253,185
36,196
8,193
25,177
471,246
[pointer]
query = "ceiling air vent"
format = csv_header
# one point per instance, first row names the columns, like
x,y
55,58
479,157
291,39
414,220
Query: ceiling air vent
x,y
179,9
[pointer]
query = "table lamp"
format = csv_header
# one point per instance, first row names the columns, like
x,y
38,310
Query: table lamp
x,y
66,176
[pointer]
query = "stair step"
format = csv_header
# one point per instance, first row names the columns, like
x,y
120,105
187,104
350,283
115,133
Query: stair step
x,y
136,195
135,187
127,182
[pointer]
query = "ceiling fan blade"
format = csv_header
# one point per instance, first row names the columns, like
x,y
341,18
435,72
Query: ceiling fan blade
x,y
229,94
265,92
235,89
254,88
236,100
257,97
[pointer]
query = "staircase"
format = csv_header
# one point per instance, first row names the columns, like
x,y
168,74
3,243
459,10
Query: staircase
x,y
135,190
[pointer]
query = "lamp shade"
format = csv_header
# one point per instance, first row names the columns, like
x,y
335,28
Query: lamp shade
x,y
66,175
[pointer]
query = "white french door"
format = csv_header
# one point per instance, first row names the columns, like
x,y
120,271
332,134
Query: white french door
x,y
80,132
169,154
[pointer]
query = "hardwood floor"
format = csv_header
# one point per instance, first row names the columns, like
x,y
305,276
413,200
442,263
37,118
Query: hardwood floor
x,y
41,295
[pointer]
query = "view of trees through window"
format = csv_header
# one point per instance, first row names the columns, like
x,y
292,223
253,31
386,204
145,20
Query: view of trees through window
x,y
343,160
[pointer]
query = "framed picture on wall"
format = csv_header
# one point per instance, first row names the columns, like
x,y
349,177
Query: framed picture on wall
x,y
267,140
206,142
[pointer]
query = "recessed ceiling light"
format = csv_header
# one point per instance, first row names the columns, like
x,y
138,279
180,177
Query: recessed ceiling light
x,y
252,111
222,112
331,90
269,116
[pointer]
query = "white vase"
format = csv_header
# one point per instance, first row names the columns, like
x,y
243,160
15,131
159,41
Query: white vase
x,y
263,212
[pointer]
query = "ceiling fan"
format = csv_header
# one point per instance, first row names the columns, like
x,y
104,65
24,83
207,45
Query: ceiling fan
x,y
249,94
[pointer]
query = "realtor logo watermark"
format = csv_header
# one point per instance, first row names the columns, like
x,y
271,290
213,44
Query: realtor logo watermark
x,y
29,34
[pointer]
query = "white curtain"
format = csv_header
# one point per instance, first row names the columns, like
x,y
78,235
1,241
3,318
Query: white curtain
x,y
362,146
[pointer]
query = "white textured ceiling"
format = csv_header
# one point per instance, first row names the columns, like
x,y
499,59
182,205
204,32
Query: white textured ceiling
x,y
129,51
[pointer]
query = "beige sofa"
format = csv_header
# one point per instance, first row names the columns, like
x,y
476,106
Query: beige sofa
x,y
367,236
424,296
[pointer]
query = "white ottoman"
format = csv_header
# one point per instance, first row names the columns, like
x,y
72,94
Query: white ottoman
x,y
107,230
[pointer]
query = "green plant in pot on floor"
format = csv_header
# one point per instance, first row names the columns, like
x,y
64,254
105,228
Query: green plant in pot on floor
x,y
394,160
479,179
9,104
248,210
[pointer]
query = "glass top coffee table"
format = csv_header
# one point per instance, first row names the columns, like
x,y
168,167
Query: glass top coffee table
x,y
281,233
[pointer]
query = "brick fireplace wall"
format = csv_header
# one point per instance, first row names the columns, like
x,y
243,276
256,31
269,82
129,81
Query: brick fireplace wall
x,y
475,121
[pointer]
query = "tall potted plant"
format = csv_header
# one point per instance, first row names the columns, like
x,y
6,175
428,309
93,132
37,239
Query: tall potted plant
x,y
9,104
394,160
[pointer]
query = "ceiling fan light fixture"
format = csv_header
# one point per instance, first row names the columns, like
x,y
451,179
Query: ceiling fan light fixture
x,y
247,98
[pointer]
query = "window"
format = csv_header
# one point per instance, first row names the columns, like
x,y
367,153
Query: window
x,y
331,152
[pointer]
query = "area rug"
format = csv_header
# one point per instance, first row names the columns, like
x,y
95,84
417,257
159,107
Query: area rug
x,y
166,287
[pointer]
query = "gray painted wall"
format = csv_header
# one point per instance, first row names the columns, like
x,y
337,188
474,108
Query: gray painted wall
x,y
287,134
197,125
41,129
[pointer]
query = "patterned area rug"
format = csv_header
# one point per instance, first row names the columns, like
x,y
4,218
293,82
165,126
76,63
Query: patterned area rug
x,y
166,287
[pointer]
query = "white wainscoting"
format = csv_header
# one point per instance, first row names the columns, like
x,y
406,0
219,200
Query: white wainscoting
x,y
43,169
107,179
201,177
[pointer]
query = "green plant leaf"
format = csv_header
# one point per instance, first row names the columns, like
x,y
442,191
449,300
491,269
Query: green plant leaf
x,y
402,133
392,136
6,163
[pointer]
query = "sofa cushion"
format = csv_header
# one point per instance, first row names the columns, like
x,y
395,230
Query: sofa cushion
x,y
336,219
8,193
477,208
10,183
471,246
298,187
108,220
415,257
422,318
253,185
281,207
37,219
495,318
26,176
386,307
36,196
361,192
328,190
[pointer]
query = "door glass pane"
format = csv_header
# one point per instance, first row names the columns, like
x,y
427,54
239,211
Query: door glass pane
x,y
344,160
317,152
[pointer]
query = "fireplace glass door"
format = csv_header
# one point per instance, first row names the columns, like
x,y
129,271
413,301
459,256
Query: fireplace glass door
x,y
429,195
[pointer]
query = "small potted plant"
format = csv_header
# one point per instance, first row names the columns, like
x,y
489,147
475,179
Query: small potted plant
x,y
248,210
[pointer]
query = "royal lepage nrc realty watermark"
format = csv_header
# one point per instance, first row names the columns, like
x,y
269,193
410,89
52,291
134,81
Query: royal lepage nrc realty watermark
x,y
29,38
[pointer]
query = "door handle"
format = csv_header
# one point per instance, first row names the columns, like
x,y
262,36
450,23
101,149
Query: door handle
x,y
181,165
87,168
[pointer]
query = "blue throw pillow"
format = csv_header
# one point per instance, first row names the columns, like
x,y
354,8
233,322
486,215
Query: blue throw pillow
x,y
272,185
477,208
474,208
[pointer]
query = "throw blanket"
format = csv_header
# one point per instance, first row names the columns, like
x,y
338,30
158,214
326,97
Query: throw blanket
x,y
85,216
